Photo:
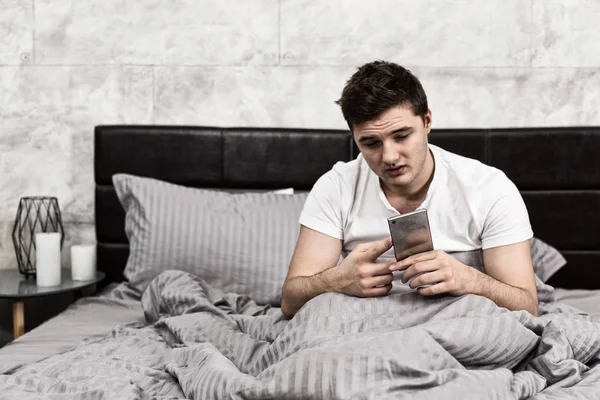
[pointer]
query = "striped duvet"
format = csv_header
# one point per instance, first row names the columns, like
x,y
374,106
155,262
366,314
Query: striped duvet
x,y
202,343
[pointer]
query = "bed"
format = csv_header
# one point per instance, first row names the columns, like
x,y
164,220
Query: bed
x,y
179,324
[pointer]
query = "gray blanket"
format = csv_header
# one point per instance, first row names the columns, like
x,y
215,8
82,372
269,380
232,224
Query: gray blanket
x,y
201,343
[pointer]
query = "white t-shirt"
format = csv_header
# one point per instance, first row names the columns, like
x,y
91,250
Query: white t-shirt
x,y
471,206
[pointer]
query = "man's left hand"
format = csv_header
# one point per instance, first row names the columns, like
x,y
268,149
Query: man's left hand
x,y
445,273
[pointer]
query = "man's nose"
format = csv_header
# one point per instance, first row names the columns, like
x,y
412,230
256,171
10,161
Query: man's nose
x,y
390,154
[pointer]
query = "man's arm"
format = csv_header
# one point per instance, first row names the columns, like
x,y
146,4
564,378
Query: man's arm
x,y
510,280
312,270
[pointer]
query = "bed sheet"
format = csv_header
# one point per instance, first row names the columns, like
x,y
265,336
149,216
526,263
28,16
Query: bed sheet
x,y
93,317
181,307
584,300
203,343
87,318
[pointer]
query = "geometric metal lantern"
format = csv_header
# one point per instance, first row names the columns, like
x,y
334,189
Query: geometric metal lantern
x,y
35,214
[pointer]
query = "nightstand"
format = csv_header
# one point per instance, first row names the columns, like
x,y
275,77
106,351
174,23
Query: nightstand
x,y
16,287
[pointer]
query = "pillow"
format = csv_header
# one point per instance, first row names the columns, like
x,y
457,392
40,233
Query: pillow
x,y
240,243
283,191
546,259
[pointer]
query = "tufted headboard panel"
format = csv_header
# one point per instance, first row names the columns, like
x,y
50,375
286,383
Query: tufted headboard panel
x,y
557,171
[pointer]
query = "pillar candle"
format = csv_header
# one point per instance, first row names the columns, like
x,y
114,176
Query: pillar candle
x,y
83,262
47,258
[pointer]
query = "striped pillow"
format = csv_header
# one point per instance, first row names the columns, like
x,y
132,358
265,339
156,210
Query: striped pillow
x,y
240,243
546,259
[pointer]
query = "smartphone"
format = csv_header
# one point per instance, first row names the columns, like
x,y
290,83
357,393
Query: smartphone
x,y
410,234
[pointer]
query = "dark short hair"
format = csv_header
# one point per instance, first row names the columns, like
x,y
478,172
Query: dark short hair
x,y
378,86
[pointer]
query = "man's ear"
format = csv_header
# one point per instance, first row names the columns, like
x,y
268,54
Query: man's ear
x,y
428,121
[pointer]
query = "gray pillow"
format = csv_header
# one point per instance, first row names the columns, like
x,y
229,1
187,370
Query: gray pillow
x,y
546,259
240,243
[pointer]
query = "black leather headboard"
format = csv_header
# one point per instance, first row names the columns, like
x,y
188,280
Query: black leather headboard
x,y
556,169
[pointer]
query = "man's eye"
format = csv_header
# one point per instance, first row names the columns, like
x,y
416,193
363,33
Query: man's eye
x,y
400,137
372,144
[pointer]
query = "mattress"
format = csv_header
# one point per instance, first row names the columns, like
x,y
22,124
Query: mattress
x,y
87,318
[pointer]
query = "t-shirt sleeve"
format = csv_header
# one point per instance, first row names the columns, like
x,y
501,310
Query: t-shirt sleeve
x,y
507,221
323,207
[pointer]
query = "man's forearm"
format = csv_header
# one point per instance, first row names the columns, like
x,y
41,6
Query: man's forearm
x,y
505,295
297,291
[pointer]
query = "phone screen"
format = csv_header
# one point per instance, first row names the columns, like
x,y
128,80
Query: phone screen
x,y
410,234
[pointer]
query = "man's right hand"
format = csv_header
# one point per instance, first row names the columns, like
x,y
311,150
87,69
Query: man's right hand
x,y
360,275
314,270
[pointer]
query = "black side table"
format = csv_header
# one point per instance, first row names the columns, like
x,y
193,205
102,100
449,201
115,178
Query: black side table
x,y
14,286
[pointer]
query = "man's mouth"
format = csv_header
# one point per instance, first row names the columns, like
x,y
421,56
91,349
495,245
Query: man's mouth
x,y
396,170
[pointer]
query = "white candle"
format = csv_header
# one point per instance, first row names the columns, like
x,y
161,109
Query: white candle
x,y
47,258
83,262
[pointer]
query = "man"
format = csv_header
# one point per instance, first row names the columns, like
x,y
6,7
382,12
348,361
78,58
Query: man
x,y
471,207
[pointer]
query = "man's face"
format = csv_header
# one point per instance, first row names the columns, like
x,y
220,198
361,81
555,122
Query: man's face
x,y
395,145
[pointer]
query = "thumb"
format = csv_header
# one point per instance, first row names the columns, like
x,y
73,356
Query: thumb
x,y
377,248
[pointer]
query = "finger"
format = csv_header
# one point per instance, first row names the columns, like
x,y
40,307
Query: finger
x,y
408,261
370,269
377,248
442,287
365,251
381,268
428,278
378,291
379,280
419,268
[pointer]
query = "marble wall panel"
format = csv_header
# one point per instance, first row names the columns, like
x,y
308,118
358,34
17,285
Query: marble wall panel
x,y
457,33
566,33
16,32
48,117
181,32
257,96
